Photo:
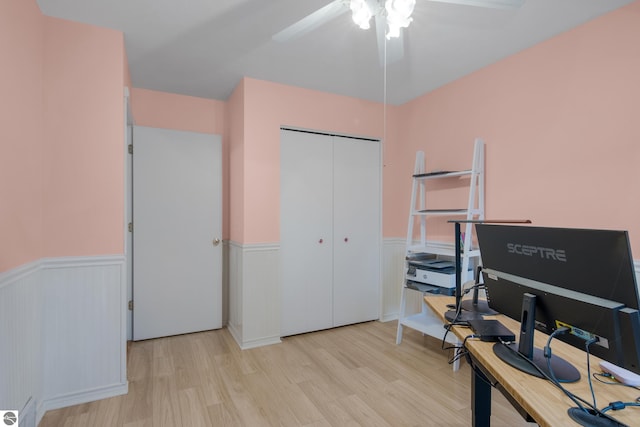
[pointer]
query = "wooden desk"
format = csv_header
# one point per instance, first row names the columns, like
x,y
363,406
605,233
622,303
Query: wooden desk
x,y
538,398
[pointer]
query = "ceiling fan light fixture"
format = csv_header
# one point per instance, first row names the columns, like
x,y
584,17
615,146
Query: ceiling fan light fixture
x,y
398,15
361,13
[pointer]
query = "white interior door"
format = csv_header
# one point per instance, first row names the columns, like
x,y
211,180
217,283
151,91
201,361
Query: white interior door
x,y
357,230
177,254
306,231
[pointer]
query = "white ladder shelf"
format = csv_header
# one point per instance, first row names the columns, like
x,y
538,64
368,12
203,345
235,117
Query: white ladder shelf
x,y
425,321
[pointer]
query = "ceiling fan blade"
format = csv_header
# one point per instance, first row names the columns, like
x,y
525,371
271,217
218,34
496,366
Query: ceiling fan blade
x,y
494,4
312,21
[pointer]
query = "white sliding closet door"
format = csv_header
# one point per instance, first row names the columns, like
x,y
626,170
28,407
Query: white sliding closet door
x,y
177,211
330,231
357,230
306,231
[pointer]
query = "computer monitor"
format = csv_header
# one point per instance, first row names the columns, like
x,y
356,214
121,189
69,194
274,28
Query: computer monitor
x,y
594,262
579,278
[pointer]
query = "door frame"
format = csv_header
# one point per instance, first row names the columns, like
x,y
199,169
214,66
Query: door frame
x,y
129,122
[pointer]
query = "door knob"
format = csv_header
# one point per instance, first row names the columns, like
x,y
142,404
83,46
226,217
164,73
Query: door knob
x,y
320,241
346,239
216,242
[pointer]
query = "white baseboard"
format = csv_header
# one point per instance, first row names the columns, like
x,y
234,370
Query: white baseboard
x,y
247,344
79,397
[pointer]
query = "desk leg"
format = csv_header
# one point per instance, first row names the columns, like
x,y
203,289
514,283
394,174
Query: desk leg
x,y
480,399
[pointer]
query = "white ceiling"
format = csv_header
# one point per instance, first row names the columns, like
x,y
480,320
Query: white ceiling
x,y
204,47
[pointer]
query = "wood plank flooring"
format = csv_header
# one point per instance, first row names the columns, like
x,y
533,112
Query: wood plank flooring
x,y
350,376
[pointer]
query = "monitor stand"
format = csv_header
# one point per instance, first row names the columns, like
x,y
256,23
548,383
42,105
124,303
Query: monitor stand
x,y
461,316
561,370
525,357
477,305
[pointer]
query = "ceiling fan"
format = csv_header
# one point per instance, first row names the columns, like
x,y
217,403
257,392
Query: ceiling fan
x,y
390,17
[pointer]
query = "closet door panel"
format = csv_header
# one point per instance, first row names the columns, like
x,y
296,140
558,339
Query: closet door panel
x,y
357,230
306,212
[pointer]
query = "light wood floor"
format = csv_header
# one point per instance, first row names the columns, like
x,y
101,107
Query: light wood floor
x,y
349,376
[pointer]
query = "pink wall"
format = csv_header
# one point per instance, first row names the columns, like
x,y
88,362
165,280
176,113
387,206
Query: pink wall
x,y
561,125
558,120
61,137
171,111
267,106
235,209
125,68
83,199
396,182
21,132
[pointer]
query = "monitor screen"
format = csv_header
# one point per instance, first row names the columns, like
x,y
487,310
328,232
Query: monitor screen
x,y
594,262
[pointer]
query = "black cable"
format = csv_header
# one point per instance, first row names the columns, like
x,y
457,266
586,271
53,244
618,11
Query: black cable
x,y
616,406
449,325
596,376
447,328
459,354
547,354
475,369
459,307
586,348
462,351
574,398
570,395
547,351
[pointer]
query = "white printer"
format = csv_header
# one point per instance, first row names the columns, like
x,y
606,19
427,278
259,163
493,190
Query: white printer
x,y
437,272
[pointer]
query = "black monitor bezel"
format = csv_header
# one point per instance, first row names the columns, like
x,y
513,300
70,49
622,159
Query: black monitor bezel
x,y
596,262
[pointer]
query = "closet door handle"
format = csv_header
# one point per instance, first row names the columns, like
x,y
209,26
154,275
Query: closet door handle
x,y
320,241
346,239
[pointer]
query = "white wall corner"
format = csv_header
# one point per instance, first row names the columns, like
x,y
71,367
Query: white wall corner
x,y
254,294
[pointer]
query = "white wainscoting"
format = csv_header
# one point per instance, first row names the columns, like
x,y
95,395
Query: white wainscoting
x,y
254,289
65,320
254,294
393,254
21,320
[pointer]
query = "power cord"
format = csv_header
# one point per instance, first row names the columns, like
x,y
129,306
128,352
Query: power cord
x,y
551,378
597,376
455,322
616,406
586,348
459,350
581,403
462,351
458,309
